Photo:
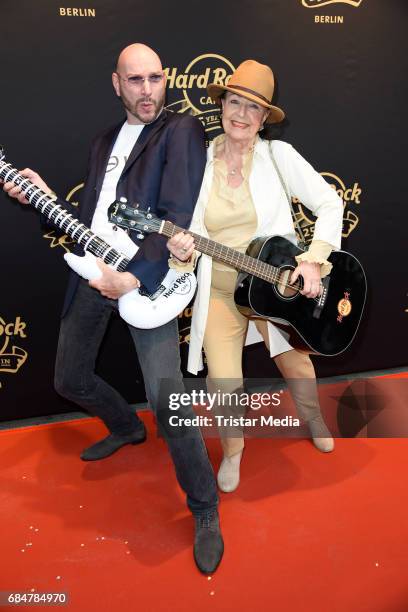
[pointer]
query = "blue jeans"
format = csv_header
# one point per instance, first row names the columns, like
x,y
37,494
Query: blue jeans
x,y
82,331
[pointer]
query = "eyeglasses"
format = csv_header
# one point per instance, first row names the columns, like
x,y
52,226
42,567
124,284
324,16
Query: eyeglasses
x,y
138,81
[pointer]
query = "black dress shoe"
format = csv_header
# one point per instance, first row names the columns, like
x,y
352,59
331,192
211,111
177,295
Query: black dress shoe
x,y
112,443
208,542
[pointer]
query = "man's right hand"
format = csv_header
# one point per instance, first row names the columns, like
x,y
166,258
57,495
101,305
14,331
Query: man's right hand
x,y
15,192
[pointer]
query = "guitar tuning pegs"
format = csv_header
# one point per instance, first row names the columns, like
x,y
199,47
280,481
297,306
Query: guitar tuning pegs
x,y
148,213
123,199
140,236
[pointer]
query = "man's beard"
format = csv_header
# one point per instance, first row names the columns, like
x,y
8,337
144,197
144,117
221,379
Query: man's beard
x,y
143,117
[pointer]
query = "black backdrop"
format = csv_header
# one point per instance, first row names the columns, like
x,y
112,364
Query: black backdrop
x,y
341,71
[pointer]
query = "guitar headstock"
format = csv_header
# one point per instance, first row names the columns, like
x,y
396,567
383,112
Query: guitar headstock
x,y
133,218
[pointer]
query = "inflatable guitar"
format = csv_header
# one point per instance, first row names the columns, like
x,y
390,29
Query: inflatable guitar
x,y
138,307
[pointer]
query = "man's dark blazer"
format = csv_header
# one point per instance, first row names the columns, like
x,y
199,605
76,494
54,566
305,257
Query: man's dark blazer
x,y
164,171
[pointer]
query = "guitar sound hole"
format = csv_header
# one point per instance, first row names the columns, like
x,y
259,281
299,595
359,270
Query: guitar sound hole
x,y
282,287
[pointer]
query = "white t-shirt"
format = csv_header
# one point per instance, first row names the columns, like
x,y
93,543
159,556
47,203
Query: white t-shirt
x,y
117,238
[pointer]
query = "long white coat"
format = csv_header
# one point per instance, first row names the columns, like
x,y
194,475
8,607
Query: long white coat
x,y
274,218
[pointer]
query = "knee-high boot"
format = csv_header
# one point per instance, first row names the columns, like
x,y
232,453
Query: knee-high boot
x,y
232,438
298,370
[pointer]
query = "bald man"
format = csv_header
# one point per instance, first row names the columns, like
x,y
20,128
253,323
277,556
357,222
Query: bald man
x,y
156,158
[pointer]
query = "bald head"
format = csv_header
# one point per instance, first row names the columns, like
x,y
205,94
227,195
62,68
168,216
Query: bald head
x,y
137,54
140,83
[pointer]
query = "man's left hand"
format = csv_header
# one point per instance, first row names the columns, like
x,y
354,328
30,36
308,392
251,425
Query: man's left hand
x,y
311,278
114,284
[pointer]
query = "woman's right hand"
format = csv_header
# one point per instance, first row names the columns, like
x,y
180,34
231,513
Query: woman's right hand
x,y
181,245
14,191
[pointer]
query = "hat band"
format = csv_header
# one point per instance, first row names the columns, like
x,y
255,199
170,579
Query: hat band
x,y
251,91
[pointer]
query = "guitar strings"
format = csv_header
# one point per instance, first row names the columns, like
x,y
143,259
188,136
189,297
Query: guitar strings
x,y
252,266
248,264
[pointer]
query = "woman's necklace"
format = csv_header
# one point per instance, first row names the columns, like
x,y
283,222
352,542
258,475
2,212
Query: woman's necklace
x,y
234,170
236,167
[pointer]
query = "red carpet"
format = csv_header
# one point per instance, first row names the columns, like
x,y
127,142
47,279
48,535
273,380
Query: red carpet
x,y
305,531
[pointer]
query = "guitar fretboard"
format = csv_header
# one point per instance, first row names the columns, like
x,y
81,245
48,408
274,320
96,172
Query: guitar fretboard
x,y
229,256
62,219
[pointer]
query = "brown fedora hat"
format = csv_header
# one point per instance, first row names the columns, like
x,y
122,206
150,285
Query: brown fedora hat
x,y
254,81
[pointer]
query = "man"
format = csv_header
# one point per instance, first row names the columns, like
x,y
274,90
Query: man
x,y
155,158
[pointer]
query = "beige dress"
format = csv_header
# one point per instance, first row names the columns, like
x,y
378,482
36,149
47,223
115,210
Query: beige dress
x,y
230,219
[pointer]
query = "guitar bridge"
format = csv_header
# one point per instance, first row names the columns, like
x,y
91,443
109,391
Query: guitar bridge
x,y
322,298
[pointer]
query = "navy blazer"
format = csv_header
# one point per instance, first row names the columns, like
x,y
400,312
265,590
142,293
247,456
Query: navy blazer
x,y
164,171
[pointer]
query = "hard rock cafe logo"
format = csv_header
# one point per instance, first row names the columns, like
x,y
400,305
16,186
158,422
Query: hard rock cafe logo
x,y
319,3
350,197
190,84
12,356
344,307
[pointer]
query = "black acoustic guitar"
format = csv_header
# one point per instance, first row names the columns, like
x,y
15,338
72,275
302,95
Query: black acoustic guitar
x,y
325,325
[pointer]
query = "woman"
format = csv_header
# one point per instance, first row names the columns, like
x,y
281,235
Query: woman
x,y
242,197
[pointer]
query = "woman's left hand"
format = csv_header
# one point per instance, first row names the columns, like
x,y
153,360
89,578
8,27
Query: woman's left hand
x,y
181,246
311,278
